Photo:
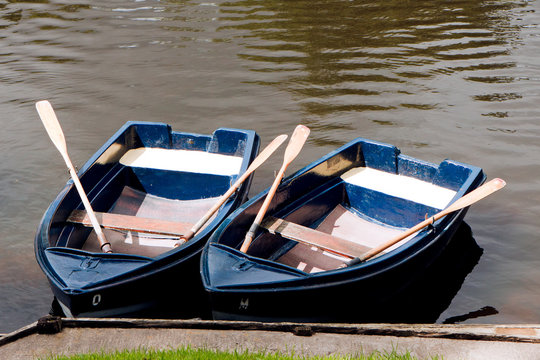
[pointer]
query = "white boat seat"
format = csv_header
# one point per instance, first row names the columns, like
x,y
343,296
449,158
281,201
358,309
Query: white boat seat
x,y
404,187
201,162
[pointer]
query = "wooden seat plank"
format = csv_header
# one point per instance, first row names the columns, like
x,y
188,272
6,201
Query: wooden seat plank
x,y
314,237
131,223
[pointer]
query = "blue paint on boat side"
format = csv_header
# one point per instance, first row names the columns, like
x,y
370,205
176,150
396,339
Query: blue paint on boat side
x,y
245,270
306,197
77,269
380,156
122,281
419,169
181,185
390,210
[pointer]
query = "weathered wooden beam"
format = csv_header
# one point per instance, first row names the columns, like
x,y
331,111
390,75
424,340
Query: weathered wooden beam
x,y
131,223
314,237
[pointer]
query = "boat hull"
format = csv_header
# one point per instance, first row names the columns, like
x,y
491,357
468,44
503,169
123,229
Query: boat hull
x,y
152,278
149,295
260,286
351,298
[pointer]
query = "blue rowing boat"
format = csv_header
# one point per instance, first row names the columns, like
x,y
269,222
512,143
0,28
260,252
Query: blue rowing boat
x,y
148,185
303,262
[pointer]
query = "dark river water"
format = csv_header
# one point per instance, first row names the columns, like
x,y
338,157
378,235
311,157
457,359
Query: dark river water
x,y
439,79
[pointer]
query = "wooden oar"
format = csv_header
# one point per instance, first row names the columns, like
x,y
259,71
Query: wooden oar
x,y
48,117
296,143
466,200
258,161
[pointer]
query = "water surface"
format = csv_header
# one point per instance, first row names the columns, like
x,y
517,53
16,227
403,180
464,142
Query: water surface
x,y
439,79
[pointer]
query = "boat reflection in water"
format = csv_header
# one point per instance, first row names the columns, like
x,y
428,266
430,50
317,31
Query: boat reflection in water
x,y
425,300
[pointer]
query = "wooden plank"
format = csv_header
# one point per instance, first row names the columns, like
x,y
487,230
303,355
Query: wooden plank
x,y
314,237
131,223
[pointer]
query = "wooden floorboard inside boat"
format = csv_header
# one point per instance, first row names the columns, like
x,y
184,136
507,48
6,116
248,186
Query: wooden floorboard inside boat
x,y
311,259
344,224
134,202
137,203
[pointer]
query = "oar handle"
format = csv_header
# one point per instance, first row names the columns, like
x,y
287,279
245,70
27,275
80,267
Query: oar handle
x,y
199,224
104,244
260,215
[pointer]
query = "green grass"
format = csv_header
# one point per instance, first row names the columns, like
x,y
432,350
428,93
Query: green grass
x,y
202,354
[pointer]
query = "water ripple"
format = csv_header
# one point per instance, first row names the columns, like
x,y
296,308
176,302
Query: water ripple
x,y
455,79
371,43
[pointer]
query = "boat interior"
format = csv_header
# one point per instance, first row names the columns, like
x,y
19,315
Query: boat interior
x,y
361,208
139,205
177,182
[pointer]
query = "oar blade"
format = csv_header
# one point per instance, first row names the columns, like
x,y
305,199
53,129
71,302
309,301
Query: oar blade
x,y
265,154
296,143
476,195
50,121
